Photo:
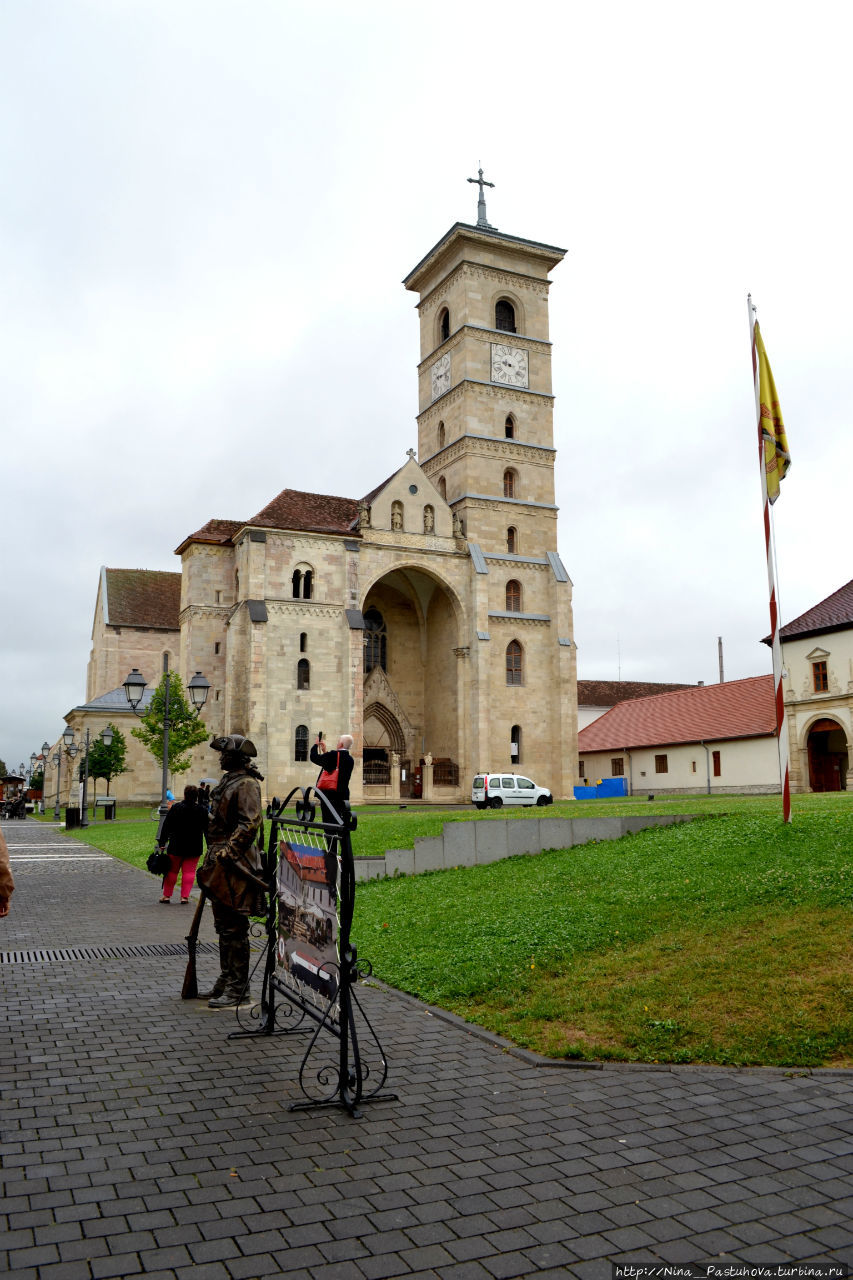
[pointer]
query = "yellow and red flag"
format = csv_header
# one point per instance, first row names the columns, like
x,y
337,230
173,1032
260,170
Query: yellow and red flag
x,y
777,459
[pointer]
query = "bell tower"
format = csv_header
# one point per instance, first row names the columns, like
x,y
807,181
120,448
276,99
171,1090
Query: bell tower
x,y
485,421
486,442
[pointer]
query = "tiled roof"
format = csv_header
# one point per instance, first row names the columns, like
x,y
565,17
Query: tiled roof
x,y
143,598
217,532
703,713
606,693
832,614
312,512
291,509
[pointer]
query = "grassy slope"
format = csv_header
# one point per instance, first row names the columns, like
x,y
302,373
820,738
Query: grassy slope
x,y
718,941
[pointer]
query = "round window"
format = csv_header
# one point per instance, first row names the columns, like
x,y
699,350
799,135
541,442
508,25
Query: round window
x,y
413,488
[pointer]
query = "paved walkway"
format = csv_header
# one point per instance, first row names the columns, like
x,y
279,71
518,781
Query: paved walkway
x,y
138,1140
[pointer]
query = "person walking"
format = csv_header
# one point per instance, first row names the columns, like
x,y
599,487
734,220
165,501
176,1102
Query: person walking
x,y
184,832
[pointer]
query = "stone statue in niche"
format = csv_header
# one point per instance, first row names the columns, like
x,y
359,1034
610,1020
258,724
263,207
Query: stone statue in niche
x,y
397,516
429,520
363,516
458,526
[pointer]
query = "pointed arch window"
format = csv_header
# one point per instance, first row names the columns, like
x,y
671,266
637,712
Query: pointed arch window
x,y
513,596
441,435
505,316
514,663
300,742
442,487
375,640
444,325
509,427
303,674
512,540
509,483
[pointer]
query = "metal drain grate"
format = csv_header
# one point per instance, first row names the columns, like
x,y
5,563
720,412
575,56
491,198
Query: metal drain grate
x,y
49,955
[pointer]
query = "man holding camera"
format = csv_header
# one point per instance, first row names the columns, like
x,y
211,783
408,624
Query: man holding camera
x,y
337,767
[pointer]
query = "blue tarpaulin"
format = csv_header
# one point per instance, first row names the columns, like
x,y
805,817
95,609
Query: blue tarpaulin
x,y
606,787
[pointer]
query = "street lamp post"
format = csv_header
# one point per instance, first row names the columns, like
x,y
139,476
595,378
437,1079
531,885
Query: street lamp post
x,y
56,760
134,688
72,748
45,747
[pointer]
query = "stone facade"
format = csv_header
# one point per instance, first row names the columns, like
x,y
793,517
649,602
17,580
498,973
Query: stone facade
x,y
819,720
135,625
431,619
140,784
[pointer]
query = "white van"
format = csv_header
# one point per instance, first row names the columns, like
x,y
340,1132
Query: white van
x,y
491,790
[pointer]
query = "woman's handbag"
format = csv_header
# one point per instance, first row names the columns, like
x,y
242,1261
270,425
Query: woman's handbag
x,y
158,862
329,781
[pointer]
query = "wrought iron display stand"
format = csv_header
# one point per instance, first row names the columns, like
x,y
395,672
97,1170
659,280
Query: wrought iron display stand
x,y
360,1057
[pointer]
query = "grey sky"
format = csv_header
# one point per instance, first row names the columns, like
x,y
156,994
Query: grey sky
x,y
207,212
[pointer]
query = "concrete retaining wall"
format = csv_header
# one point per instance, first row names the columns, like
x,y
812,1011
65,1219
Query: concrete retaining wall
x,y
470,844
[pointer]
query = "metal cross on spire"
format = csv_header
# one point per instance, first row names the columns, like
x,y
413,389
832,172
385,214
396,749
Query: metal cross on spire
x,y
482,220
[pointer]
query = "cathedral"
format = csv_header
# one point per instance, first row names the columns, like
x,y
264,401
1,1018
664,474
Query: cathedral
x,y
432,617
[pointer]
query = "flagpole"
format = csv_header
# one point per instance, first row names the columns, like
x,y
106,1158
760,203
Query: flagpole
x,y
776,647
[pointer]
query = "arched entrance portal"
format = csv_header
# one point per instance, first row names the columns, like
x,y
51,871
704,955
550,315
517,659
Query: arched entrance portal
x,y
827,751
411,695
383,736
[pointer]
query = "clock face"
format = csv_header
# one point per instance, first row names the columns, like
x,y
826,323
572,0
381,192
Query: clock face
x,y
509,365
441,376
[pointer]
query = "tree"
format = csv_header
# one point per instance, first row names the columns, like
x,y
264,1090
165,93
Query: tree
x,y
185,729
108,762
36,781
3,770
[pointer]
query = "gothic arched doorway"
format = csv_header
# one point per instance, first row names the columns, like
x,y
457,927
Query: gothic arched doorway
x,y
411,676
827,752
382,736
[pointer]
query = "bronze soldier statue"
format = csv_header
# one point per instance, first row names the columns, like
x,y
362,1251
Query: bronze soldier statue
x,y
231,874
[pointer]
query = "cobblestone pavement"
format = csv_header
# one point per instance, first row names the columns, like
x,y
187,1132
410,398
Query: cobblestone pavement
x,y
138,1140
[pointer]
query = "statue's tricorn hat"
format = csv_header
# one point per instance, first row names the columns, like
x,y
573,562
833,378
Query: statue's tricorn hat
x,y
235,742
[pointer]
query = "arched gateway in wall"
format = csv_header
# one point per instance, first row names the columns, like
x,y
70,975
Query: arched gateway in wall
x,y
827,752
411,683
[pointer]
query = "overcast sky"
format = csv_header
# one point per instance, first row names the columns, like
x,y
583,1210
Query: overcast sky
x,y
207,211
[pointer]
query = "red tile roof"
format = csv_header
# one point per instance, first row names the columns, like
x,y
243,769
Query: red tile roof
x,y
311,512
143,598
832,614
216,532
606,693
703,713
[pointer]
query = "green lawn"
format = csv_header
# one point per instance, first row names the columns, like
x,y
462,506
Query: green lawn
x,y
726,940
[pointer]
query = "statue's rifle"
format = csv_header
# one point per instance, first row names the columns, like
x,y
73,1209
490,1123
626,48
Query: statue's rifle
x,y
189,991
